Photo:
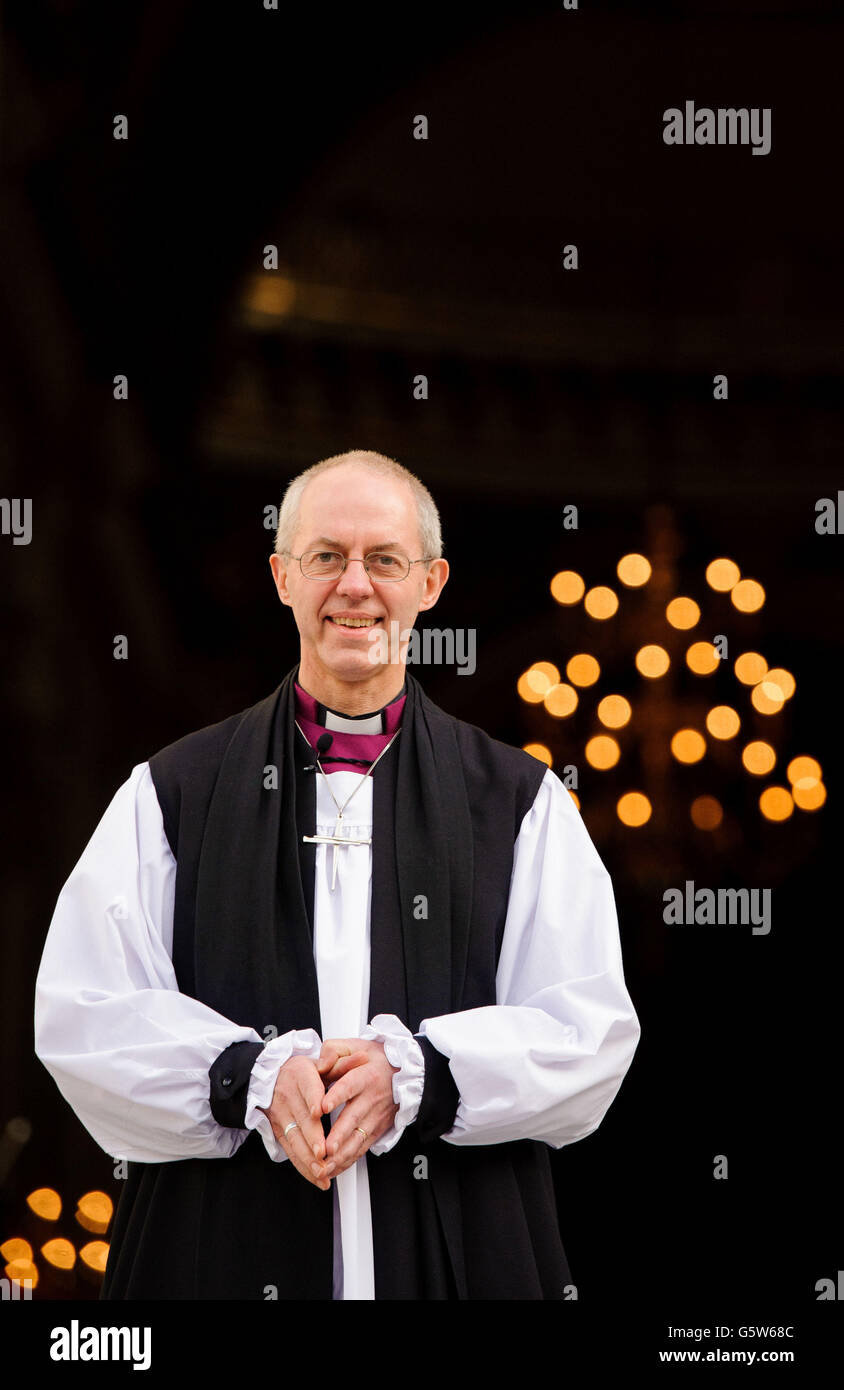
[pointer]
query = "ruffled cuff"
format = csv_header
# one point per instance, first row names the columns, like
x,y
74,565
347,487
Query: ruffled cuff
x,y
402,1051
303,1042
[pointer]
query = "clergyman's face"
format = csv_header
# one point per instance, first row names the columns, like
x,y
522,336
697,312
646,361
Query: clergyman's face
x,y
354,511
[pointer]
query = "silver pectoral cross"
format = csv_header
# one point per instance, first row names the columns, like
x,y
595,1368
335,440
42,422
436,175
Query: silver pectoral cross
x,y
334,840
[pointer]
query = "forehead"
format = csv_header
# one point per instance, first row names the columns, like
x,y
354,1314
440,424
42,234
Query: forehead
x,y
355,505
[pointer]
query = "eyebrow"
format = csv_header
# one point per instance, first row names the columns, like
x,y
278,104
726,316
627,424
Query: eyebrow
x,y
378,545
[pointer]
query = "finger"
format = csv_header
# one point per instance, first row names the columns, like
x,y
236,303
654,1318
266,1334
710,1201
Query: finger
x,y
343,1090
307,1111
332,1050
355,1130
297,1153
299,1099
362,1113
305,1138
299,1150
291,1112
354,1140
345,1064
323,1182
318,1172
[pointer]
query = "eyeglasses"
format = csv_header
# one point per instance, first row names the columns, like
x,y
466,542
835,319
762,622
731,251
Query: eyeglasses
x,y
383,566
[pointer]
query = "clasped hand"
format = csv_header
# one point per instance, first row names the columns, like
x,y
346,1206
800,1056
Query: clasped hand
x,y
348,1072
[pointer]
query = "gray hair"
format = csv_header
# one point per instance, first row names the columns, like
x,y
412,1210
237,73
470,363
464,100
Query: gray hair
x,y
428,518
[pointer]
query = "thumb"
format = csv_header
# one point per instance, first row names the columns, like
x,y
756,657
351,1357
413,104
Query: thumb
x,y
333,1049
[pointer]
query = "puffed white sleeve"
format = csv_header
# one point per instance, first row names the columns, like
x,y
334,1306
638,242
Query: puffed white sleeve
x,y
127,1050
546,1060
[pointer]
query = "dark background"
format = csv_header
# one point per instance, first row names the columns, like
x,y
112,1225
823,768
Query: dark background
x,y
547,387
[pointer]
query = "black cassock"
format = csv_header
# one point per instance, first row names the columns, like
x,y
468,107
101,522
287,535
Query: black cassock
x,y
448,803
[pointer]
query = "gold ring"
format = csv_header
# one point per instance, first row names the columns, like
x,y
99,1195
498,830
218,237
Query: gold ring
x,y
363,1132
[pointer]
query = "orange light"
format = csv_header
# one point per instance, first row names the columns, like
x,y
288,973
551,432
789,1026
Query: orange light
x,y
271,295
747,596
682,612
783,680
16,1249
583,669
759,757
21,1272
614,711
538,750
526,691
59,1252
94,1211
702,658
688,746
722,575
601,603
602,752
803,767
561,701
809,794
46,1203
723,722
706,813
633,570
750,668
567,587
536,681
633,809
546,669
776,803
652,661
95,1255
575,798
766,697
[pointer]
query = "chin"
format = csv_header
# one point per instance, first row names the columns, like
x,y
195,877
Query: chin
x,y
354,666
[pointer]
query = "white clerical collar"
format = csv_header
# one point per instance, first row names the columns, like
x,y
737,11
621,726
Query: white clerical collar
x,y
344,724
356,723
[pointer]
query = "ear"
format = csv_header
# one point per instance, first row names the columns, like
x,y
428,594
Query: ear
x,y
279,565
435,581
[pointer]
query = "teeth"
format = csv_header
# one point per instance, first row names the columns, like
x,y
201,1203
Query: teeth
x,y
355,622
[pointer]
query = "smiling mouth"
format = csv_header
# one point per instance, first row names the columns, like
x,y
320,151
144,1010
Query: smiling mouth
x,y
353,622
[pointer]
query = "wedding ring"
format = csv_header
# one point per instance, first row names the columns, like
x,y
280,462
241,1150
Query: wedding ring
x,y
363,1132
287,1128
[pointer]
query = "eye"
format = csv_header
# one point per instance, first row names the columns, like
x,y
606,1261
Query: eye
x,y
322,557
383,565
322,564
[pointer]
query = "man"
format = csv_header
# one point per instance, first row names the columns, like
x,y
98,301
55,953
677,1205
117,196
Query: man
x,y
340,942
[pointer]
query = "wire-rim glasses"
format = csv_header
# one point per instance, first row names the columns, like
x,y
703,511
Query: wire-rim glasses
x,y
382,565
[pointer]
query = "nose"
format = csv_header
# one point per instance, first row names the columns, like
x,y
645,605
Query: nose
x,y
354,581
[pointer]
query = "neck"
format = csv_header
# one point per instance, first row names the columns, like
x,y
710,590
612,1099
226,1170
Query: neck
x,y
353,697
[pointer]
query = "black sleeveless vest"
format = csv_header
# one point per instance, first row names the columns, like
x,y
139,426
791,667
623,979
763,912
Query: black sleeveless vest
x,y
449,1222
